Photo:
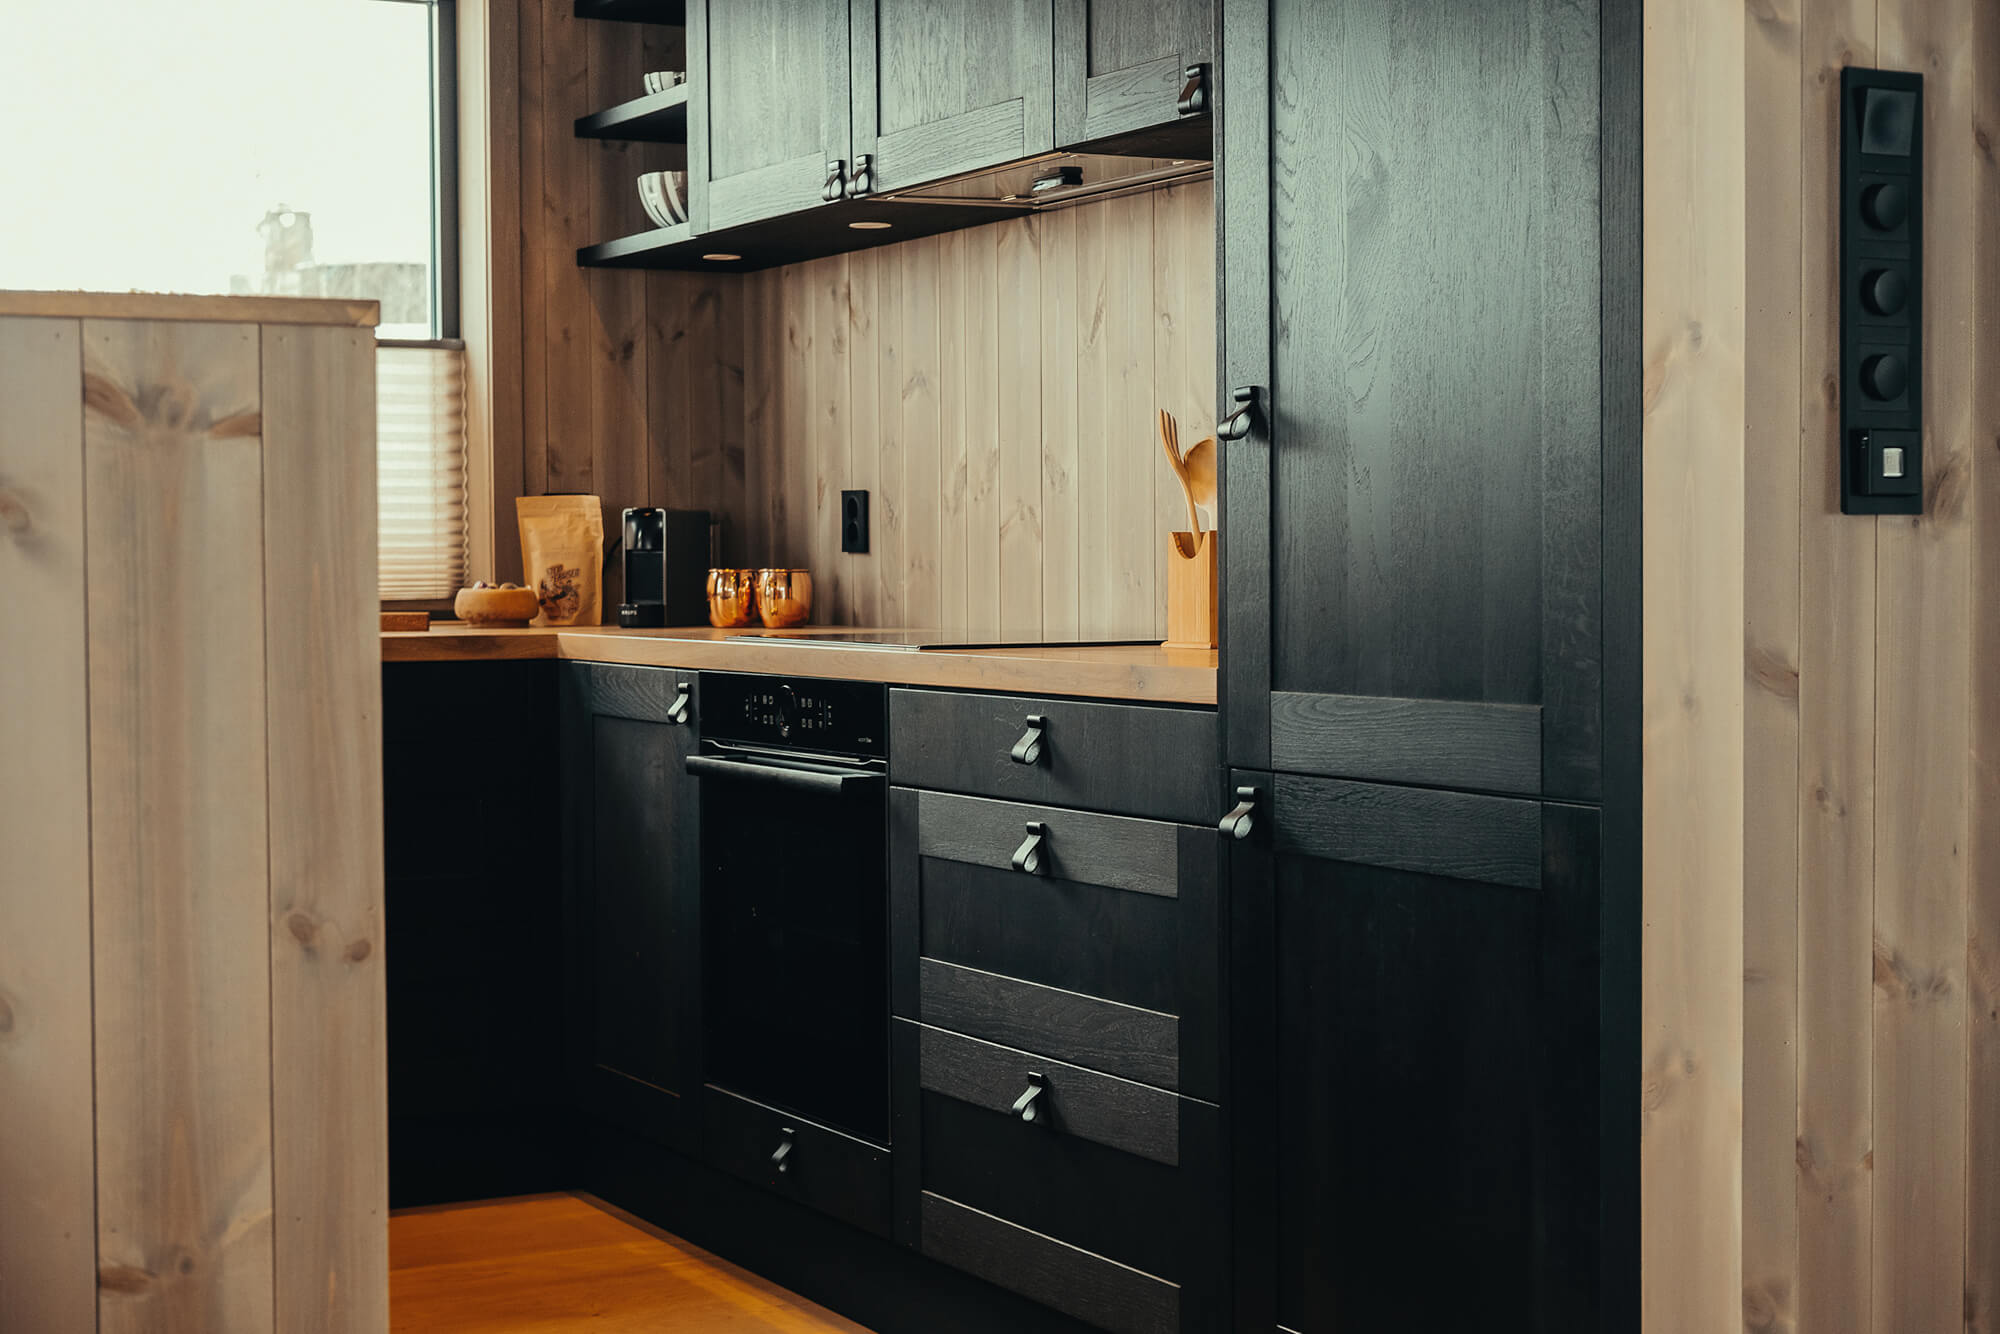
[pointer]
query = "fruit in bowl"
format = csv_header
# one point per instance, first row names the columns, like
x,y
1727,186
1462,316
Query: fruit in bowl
x,y
496,604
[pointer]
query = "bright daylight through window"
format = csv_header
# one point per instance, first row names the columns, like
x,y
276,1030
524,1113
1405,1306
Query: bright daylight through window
x,y
245,147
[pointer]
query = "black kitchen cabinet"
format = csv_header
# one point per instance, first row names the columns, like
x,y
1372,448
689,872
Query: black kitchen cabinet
x,y
632,890
1056,978
948,86
1135,75
768,109
1417,298
1428,221
1416,1056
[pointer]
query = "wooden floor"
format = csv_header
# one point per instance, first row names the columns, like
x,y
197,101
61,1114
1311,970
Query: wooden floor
x,y
556,1263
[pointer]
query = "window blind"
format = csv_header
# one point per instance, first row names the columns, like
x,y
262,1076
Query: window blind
x,y
420,451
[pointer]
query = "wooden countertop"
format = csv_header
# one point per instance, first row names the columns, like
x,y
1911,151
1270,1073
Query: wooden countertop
x,y
1137,672
198,309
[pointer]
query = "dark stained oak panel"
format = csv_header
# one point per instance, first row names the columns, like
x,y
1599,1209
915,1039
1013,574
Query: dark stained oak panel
x,y
1469,837
1090,1287
1123,1040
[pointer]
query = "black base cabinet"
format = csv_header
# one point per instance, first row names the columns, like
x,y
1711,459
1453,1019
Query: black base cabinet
x,y
632,892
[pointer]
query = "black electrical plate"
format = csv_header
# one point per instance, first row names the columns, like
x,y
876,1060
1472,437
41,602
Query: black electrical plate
x,y
854,521
1881,292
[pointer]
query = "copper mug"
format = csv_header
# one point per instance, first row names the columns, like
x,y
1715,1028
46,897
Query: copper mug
x,y
732,597
784,597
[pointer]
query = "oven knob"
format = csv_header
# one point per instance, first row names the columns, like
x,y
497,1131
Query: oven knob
x,y
788,712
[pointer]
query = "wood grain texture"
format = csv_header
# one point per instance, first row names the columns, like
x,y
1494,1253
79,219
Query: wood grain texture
x,y
1116,1112
48,1231
565,1265
1468,746
191,308
1103,1292
1031,355
1493,840
1924,674
1692,800
1837,775
1123,1040
1982,1199
1773,468
179,845
330,1153
1109,850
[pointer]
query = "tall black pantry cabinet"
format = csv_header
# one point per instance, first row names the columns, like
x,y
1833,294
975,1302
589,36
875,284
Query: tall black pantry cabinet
x,y
1429,291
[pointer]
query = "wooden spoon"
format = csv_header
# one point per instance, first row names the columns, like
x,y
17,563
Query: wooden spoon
x,y
1198,470
1170,441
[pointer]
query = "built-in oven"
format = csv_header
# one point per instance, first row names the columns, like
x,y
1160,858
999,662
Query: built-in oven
x,y
794,898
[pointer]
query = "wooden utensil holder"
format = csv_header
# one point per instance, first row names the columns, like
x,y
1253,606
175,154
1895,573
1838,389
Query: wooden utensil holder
x,y
1191,602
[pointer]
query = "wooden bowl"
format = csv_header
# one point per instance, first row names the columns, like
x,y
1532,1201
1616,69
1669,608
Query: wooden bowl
x,y
511,605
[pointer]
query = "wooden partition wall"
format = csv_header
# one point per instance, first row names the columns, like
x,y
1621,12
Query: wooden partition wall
x,y
1822,1139
193,1132
1871,1117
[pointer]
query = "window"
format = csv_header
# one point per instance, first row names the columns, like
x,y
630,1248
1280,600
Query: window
x,y
303,148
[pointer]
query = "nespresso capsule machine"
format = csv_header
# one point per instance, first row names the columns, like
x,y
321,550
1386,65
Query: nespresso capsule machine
x,y
666,561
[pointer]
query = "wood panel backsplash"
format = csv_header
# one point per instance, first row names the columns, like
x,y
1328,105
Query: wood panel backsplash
x,y
994,390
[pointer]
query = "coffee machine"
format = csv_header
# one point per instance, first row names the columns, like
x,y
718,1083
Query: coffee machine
x,y
666,561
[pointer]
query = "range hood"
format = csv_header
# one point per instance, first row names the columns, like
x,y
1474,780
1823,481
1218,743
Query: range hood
x,y
1054,180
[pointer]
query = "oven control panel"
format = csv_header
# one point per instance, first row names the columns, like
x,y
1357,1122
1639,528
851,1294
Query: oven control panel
x,y
796,713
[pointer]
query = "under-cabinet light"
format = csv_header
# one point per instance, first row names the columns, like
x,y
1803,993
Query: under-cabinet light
x,y
720,257
870,226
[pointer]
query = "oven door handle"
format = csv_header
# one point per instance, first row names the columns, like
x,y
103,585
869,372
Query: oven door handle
x,y
776,773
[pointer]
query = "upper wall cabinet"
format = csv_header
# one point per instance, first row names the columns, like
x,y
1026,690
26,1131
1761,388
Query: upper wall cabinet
x,y
1135,75
1414,321
946,86
767,127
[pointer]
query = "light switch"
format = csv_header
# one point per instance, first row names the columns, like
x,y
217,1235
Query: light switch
x,y
1892,461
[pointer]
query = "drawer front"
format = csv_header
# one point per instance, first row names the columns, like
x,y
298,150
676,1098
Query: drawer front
x,y
1064,1099
1123,1040
1108,957
1040,1268
1130,759
823,1169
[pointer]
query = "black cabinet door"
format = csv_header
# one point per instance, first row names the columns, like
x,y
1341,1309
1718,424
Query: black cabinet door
x,y
946,86
631,881
1411,232
767,110
1121,67
1416,1053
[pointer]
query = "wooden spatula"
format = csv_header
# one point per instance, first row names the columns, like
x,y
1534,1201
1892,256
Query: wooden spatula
x,y
1170,441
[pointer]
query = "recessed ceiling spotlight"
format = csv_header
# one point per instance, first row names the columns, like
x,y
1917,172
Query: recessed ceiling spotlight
x,y
721,257
870,226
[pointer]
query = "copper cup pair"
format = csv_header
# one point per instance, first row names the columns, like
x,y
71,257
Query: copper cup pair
x,y
778,597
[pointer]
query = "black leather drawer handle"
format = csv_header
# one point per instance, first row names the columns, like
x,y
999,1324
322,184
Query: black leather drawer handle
x,y
1028,750
1029,857
781,1156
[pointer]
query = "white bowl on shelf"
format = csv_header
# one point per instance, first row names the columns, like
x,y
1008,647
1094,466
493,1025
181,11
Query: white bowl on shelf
x,y
659,80
663,194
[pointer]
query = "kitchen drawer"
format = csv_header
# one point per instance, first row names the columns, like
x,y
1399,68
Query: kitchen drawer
x,y
1107,956
823,1169
1130,759
1106,1206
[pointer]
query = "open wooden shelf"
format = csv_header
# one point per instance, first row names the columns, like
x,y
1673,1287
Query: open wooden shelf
x,y
635,11
640,250
656,118
808,234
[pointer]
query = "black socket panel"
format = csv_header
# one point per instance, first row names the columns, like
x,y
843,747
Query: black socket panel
x,y
1881,296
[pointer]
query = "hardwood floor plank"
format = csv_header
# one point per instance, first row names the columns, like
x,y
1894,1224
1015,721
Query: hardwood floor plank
x,y
560,1263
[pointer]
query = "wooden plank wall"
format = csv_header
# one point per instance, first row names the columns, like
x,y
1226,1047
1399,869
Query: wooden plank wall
x,y
1871,1169
191,1001
630,383
994,390
1691,1130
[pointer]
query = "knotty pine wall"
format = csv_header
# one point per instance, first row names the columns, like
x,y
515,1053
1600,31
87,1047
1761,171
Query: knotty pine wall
x,y
995,390
1871,861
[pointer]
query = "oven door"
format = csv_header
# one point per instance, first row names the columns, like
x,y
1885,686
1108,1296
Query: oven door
x,y
795,933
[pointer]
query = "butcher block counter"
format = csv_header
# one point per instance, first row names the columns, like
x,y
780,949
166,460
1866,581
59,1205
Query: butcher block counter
x,y
1136,672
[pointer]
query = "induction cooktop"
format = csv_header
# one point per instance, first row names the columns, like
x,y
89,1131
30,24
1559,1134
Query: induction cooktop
x,y
930,639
